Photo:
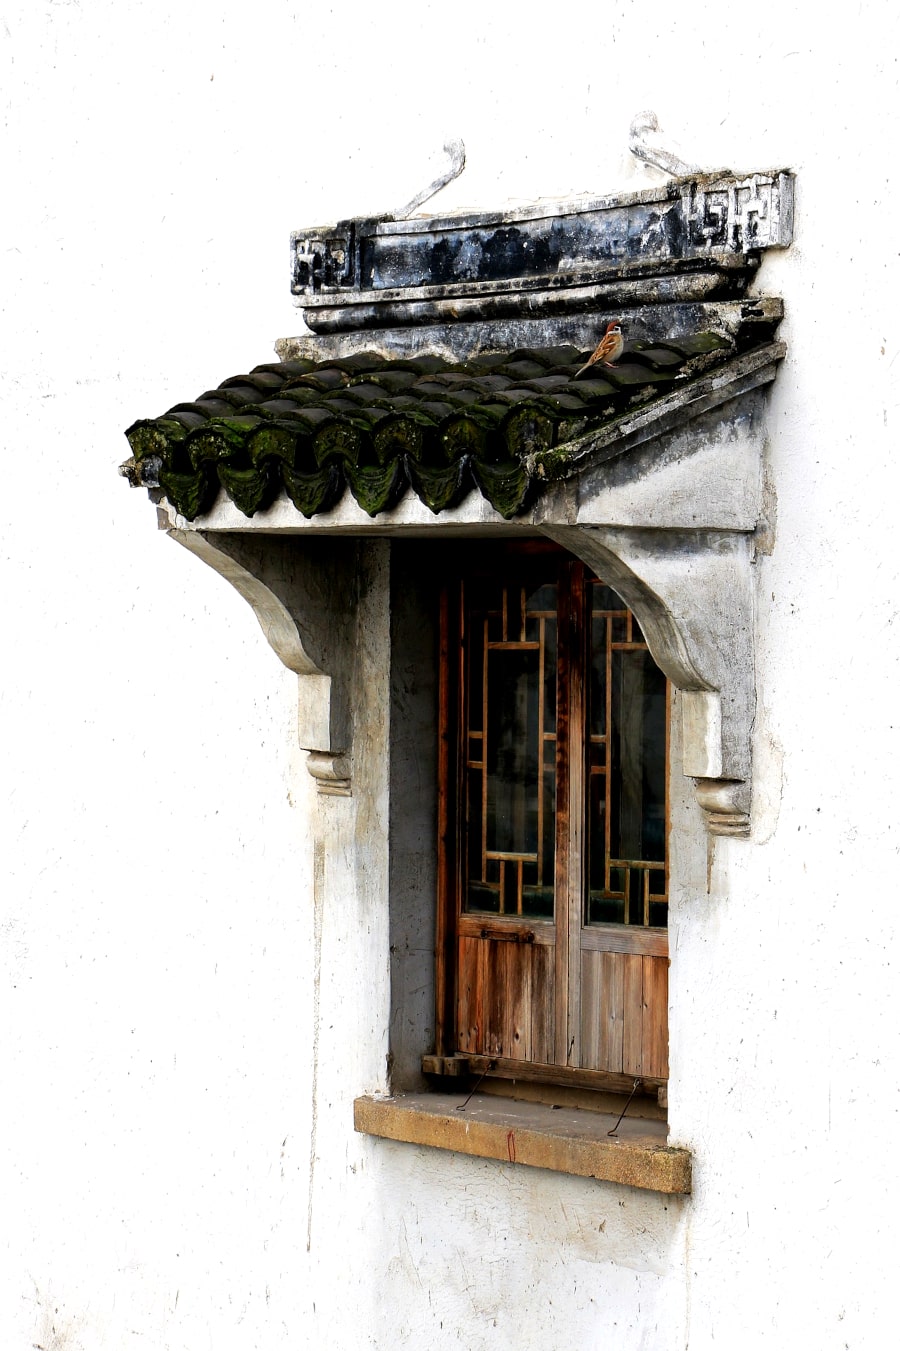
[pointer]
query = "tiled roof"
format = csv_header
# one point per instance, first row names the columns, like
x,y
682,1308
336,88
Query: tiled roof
x,y
376,426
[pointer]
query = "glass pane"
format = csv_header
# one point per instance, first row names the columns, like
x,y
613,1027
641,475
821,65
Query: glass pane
x,y
603,909
513,751
482,899
511,700
597,700
638,808
659,914
627,805
475,661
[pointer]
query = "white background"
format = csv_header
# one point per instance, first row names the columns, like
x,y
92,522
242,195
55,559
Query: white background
x,y
156,921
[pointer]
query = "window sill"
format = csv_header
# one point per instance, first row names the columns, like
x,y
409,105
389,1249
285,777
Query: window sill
x,y
566,1140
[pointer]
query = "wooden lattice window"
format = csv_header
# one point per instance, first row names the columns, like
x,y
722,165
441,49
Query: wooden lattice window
x,y
552,942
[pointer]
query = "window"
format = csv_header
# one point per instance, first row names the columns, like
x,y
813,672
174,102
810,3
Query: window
x,y
552,876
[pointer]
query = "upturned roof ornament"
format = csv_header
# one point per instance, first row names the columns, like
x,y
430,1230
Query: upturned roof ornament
x,y
644,143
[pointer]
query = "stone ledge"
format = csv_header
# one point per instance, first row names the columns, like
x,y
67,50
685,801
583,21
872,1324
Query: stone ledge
x,y
566,1140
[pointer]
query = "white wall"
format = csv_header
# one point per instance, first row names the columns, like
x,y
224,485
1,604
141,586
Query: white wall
x,y
158,928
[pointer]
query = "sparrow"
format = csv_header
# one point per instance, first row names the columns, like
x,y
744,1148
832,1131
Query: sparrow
x,y
609,349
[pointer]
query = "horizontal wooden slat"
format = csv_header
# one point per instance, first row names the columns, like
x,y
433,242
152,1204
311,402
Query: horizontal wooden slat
x,y
479,926
502,1068
625,938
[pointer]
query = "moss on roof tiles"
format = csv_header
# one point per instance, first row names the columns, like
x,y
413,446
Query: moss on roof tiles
x,y
376,427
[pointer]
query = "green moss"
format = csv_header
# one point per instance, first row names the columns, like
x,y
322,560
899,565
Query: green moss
x,y
314,491
249,489
504,485
440,488
501,421
190,494
528,429
376,488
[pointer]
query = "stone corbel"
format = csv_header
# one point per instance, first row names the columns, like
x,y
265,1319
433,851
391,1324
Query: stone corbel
x,y
303,592
692,593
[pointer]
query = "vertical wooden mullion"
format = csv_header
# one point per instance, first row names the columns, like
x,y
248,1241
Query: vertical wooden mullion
x,y
633,1013
655,1030
590,1009
543,1002
449,872
484,754
542,663
562,842
612,1010
608,781
571,902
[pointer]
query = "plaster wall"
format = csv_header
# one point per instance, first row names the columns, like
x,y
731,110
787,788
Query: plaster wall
x,y
192,995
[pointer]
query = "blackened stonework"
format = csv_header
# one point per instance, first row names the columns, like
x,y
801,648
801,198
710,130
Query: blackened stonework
x,y
714,219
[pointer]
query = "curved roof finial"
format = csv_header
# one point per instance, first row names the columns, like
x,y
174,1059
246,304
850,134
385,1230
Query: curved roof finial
x,y
644,143
456,153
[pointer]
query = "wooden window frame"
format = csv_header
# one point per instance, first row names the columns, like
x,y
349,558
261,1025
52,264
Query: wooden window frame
x,y
572,937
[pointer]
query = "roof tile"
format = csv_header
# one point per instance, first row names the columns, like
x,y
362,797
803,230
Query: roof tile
x,y
375,426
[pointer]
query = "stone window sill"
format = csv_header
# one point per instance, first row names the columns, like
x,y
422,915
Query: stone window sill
x,y
567,1140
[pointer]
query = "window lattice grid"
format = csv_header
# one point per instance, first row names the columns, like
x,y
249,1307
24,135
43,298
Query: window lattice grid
x,y
627,776
510,738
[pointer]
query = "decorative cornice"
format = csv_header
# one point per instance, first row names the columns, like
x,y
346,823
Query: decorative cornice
x,y
698,238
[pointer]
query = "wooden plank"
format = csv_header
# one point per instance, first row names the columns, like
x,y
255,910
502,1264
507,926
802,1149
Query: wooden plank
x,y
444,982
517,1039
496,1000
574,746
655,1033
542,1004
590,1010
491,926
470,1001
625,938
501,1068
633,1030
612,1010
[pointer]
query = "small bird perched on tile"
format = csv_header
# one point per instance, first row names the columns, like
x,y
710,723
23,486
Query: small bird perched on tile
x,y
608,350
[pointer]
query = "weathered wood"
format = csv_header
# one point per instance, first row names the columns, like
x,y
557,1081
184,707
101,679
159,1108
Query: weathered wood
x,y
625,938
449,1066
574,643
612,1011
505,929
496,997
590,1010
470,1020
547,999
518,1003
655,1030
543,1004
502,1068
633,1012
444,985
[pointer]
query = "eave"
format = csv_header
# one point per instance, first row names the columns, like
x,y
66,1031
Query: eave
x,y
655,479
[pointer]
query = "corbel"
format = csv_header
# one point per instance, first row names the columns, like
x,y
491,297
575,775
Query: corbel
x,y
693,596
303,592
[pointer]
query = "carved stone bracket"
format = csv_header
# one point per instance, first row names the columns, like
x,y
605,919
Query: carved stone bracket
x,y
331,773
303,592
692,593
